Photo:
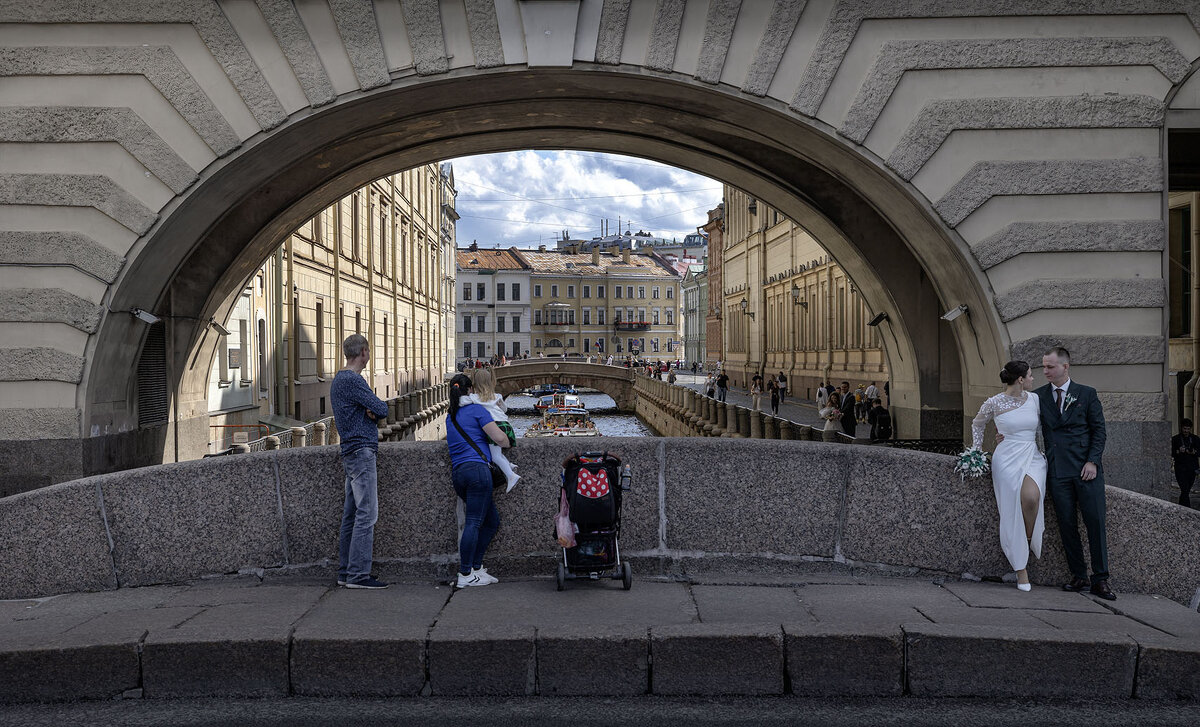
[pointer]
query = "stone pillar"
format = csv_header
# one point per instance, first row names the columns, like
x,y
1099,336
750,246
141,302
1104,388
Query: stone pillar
x,y
299,437
241,448
785,429
722,426
320,434
756,424
271,443
743,420
770,427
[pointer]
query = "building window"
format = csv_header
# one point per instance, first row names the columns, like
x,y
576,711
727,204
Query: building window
x,y
499,291
467,349
570,291
320,339
385,344
479,320
655,314
599,291
587,345
553,291
670,317
587,291
654,293
479,351
654,345
537,292
500,348
481,291
570,343
466,324
571,317
629,291
670,293
537,343
641,291
587,316
516,348
600,316
516,292
499,324
516,325
466,291
618,291
537,317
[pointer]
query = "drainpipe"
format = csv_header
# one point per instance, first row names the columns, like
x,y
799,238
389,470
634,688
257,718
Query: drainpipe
x,y
293,343
829,320
1191,389
280,381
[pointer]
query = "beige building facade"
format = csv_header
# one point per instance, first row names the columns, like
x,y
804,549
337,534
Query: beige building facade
x,y
373,263
787,306
601,303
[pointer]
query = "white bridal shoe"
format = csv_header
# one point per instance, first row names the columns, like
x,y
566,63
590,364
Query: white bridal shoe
x,y
1024,587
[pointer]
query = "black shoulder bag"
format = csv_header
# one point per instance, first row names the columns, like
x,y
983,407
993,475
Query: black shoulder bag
x,y
499,479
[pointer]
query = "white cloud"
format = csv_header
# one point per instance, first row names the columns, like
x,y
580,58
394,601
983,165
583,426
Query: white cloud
x,y
527,198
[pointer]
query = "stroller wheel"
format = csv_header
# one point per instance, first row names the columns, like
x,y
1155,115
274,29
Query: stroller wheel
x,y
626,575
561,577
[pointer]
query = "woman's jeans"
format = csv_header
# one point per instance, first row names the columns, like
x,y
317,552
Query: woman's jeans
x,y
360,510
473,484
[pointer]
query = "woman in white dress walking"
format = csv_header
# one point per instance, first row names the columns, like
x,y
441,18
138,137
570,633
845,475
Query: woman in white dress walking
x,y
1018,467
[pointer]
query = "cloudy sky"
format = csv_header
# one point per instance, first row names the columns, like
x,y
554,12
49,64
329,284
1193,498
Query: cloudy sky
x,y
527,198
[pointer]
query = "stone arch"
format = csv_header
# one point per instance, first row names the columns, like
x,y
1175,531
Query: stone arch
x,y
615,381
864,121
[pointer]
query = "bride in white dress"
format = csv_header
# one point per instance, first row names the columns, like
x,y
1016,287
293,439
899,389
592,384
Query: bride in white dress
x,y
1018,467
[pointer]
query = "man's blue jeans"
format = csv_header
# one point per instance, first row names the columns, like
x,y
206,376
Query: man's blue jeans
x,y
722,391
359,513
473,483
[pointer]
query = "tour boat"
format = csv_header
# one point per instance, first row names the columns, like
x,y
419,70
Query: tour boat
x,y
564,422
559,400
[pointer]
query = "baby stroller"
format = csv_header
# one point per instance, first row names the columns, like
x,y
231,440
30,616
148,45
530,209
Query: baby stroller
x,y
592,485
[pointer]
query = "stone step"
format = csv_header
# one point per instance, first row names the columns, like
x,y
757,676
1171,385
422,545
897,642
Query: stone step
x,y
835,637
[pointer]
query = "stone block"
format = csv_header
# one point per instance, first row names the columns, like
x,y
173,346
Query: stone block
x,y
1151,565
749,604
537,603
579,660
995,661
491,660
881,605
233,650
1158,612
753,497
54,542
102,669
1168,668
184,520
828,660
365,643
1006,596
910,509
717,659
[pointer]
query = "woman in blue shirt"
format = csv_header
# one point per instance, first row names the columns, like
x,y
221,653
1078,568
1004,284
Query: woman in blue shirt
x,y
472,479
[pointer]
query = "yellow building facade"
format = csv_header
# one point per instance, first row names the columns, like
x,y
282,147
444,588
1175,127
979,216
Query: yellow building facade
x,y
786,306
373,263
612,302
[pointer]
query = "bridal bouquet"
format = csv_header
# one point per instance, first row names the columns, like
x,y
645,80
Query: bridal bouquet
x,y
972,463
833,415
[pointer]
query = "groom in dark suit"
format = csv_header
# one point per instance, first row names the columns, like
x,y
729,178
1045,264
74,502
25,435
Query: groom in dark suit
x,y
849,420
1073,430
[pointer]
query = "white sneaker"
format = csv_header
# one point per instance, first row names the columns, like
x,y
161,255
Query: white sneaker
x,y
512,483
1024,587
486,577
470,580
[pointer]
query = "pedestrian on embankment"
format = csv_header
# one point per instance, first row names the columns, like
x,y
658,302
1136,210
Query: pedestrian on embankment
x,y
756,392
722,385
1185,448
356,410
471,476
776,394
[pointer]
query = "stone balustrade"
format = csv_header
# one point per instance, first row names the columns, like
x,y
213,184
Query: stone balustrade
x,y
718,505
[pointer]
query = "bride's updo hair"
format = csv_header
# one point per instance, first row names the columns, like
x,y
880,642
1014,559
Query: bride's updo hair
x,y
1012,371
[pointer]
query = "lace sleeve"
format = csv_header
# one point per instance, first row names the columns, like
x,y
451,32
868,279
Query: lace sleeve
x,y
987,412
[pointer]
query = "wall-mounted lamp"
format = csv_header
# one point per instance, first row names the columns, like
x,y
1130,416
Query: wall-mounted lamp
x,y
220,329
954,313
144,316
796,293
752,208
879,318
744,305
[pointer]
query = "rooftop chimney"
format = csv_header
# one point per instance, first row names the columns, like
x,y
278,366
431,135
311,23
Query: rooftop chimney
x,y
595,254
625,255
541,248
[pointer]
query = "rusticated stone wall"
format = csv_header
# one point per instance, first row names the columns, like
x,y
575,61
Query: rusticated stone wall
x,y
768,506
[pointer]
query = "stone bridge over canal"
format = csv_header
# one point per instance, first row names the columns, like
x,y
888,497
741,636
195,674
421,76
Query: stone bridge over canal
x,y
616,381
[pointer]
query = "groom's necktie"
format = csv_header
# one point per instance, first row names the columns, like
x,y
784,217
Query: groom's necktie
x,y
1058,399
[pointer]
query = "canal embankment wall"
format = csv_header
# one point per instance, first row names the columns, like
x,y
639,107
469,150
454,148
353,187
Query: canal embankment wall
x,y
698,505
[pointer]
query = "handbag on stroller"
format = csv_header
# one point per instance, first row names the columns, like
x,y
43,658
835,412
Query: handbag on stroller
x,y
592,487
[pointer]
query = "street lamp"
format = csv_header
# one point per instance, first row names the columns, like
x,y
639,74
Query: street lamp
x,y
744,305
796,293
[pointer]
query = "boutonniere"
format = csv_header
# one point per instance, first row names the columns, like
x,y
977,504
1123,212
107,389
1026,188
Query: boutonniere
x,y
1068,401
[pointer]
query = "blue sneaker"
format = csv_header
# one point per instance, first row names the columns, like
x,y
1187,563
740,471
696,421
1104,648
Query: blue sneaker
x,y
370,582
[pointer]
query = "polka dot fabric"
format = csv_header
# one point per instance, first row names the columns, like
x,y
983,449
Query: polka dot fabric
x,y
592,484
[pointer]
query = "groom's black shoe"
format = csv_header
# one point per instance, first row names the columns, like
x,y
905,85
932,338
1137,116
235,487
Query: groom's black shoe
x,y
1101,589
1076,585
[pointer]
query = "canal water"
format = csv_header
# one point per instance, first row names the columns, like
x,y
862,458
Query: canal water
x,y
601,408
